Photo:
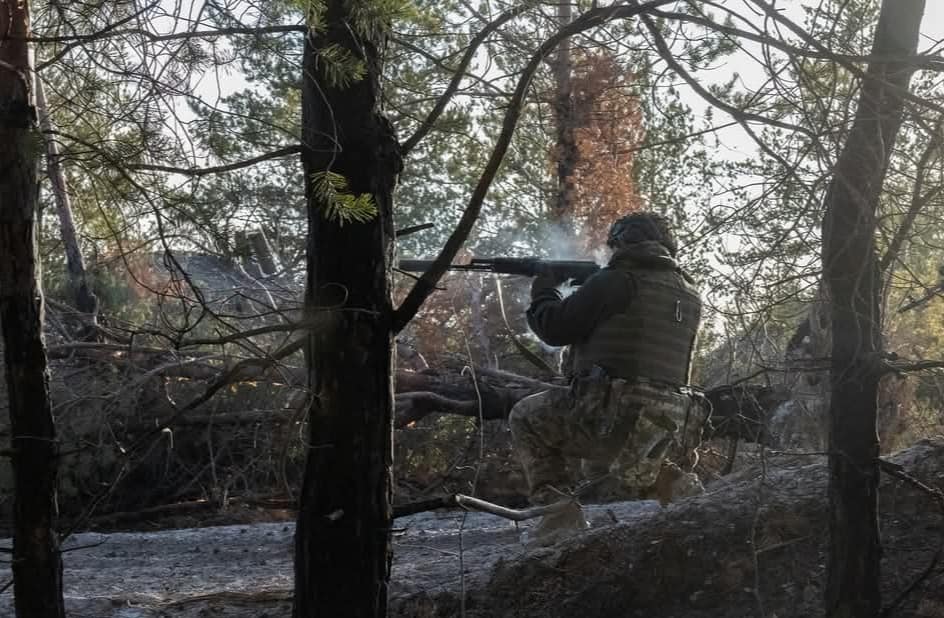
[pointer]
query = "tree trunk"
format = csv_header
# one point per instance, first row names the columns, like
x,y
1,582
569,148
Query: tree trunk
x,y
37,564
85,300
852,274
342,543
477,318
565,120
268,262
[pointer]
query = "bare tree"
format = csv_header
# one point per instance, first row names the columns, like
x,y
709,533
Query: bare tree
x,y
37,564
852,274
85,300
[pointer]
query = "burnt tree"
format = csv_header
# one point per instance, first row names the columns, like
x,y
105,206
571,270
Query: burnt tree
x,y
37,564
342,546
854,281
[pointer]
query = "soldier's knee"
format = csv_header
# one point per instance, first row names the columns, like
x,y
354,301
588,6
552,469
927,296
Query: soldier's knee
x,y
521,412
516,420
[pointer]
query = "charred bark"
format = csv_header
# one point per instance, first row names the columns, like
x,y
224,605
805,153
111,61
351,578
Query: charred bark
x,y
37,564
342,543
852,273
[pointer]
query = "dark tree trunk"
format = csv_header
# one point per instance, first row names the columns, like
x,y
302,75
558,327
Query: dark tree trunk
x,y
852,274
37,564
342,547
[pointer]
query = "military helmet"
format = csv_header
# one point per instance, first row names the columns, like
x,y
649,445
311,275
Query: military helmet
x,y
639,227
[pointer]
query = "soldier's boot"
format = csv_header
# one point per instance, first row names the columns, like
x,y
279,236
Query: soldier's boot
x,y
555,526
673,483
561,524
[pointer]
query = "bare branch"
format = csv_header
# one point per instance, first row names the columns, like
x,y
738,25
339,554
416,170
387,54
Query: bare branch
x,y
459,74
477,504
412,229
918,200
915,366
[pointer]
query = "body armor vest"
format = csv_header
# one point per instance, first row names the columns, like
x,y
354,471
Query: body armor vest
x,y
654,337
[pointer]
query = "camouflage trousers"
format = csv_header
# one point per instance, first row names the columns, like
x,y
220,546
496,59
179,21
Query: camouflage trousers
x,y
614,426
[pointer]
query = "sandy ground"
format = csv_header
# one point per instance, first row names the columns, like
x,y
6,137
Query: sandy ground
x,y
246,570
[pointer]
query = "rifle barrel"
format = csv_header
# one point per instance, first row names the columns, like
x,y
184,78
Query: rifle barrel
x,y
421,266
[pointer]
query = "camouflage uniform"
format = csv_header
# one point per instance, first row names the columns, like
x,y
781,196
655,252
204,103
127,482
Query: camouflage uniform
x,y
612,425
631,328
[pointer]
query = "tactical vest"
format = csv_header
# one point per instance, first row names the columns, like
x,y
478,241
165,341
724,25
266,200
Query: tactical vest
x,y
654,337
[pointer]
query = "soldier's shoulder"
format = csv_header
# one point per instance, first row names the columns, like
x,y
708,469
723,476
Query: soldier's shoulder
x,y
607,280
610,274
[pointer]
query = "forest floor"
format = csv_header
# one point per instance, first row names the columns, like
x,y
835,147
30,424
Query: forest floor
x,y
752,546
246,569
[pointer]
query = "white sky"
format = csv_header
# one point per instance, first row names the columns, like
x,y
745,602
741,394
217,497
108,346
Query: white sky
x,y
932,27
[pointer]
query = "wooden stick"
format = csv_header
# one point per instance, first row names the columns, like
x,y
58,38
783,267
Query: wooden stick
x,y
484,506
477,504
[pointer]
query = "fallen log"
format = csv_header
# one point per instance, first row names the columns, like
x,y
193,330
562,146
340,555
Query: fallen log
x,y
155,512
482,393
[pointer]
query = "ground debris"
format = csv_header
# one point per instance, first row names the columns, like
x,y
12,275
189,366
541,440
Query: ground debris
x,y
756,539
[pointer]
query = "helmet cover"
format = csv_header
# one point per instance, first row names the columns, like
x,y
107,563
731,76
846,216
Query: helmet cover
x,y
640,227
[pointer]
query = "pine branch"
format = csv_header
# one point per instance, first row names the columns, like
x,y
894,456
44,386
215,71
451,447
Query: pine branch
x,y
217,169
108,33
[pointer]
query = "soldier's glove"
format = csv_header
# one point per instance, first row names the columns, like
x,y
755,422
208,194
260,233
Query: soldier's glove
x,y
550,276
545,286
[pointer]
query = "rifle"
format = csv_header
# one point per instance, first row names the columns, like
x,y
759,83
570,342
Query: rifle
x,y
577,270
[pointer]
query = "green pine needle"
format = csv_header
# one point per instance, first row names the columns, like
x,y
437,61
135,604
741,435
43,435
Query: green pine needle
x,y
340,205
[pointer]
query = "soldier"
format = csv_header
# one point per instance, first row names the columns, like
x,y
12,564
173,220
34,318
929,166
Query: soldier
x,y
632,328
